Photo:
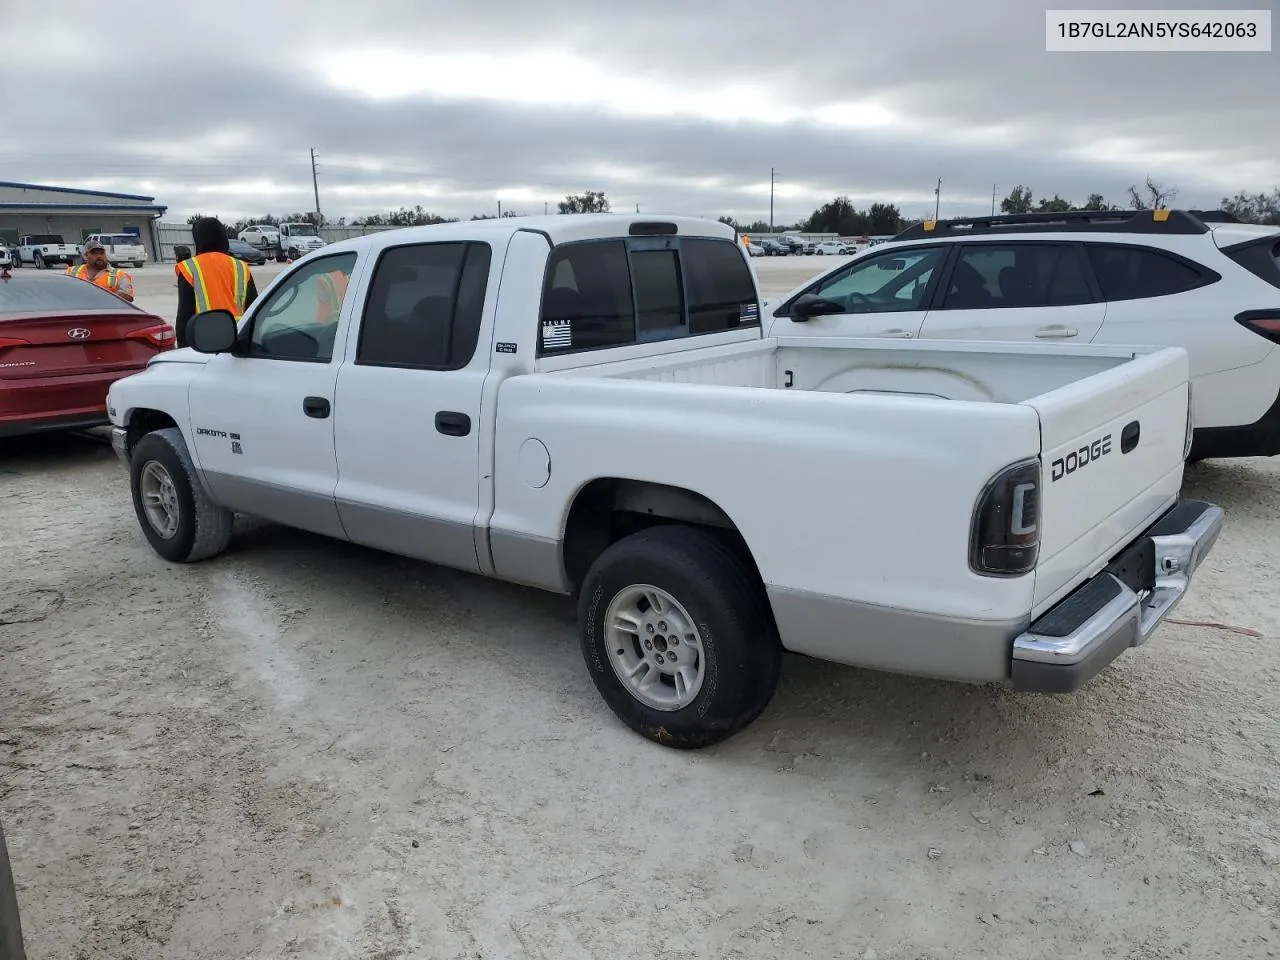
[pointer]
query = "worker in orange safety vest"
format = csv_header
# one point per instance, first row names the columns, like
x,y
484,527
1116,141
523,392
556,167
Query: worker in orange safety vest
x,y
97,270
331,289
212,279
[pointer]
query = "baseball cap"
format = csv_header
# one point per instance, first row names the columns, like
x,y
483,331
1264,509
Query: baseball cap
x,y
93,245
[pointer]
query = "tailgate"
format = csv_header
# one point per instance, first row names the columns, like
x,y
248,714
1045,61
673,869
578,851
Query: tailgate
x,y
1112,448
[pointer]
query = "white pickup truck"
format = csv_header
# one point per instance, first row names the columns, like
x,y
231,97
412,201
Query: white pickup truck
x,y
586,404
44,250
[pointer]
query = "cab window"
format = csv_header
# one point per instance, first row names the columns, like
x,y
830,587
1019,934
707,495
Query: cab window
x,y
293,323
890,282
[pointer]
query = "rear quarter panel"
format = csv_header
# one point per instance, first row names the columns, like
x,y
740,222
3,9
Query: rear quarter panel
x,y
858,497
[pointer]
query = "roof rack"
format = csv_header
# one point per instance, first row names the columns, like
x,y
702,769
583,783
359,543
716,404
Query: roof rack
x,y
1105,221
1215,216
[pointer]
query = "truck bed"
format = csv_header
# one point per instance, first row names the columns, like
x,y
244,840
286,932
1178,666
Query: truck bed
x,y
950,370
1074,393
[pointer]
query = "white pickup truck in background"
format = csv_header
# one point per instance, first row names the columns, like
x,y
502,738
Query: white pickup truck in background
x,y
44,250
586,404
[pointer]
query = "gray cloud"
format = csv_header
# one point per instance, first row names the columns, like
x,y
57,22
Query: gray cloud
x,y
219,112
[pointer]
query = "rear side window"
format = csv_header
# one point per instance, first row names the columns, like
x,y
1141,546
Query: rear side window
x,y
721,292
1136,273
587,301
424,306
22,295
990,276
1261,259
608,293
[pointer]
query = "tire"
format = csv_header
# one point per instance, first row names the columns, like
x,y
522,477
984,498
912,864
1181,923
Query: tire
x,y
11,947
729,621
202,529
39,261
138,265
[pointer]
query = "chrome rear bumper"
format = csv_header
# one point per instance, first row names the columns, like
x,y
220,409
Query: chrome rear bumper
x,y
1120,607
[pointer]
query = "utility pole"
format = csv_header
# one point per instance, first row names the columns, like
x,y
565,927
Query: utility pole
x,y
937,198
993,199
315,185
637,208
499,208
771,199
544,208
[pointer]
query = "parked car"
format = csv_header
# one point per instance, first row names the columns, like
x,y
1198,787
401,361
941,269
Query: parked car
x,y
246,252
264,236
775,248
63,342
1030,533
6,257
830,248
756,250
120,247
1195,280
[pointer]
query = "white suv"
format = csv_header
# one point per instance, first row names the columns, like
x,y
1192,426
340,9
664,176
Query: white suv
x,y
1198,280
120,248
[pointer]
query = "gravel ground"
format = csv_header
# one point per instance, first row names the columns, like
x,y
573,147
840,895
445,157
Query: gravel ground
x,y
304,748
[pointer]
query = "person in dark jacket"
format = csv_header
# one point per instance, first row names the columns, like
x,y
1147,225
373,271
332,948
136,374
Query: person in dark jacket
x,y
212,279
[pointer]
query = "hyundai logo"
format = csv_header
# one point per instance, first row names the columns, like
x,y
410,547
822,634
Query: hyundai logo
x,y
80,333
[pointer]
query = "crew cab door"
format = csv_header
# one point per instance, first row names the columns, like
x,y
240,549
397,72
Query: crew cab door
x,y
1016,291
262,417
884,295
407,427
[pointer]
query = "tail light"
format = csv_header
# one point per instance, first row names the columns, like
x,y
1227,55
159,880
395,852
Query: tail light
x,y
1005,539
161,336
1265,323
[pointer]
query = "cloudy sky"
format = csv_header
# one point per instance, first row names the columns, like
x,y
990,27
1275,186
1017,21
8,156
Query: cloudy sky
x,y
679,107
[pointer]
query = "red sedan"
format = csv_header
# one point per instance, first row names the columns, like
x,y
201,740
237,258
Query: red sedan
x,y
63,342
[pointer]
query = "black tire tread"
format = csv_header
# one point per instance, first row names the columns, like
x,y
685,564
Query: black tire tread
x,y
711,558
213,523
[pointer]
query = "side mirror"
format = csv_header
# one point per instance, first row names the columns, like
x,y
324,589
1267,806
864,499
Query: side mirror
x,y
810,305
213,331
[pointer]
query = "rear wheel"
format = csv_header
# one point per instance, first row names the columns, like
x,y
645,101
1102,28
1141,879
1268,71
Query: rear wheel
x,y
177,517
678,636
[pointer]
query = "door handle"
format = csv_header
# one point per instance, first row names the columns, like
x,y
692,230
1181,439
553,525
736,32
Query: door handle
x,y
453,424
898,334
317,407
1056,331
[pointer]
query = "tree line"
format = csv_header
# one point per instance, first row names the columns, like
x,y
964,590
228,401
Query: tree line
x,y
838,216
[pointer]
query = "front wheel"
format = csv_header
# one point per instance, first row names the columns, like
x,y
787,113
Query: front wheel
x,y
39,258
176,515
678,636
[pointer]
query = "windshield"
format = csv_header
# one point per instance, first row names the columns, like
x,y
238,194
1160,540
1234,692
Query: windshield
x,y
54,294
42,238
302,230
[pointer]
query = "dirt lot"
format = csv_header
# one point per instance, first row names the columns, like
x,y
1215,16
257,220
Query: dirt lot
x,y
307,749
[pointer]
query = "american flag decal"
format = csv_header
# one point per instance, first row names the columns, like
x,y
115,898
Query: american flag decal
x,y
749,313
557,334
